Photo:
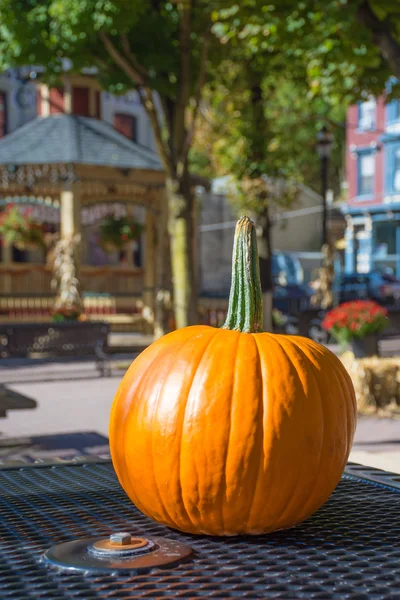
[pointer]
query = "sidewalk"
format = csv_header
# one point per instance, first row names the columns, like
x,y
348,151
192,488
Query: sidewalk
x,y
72,397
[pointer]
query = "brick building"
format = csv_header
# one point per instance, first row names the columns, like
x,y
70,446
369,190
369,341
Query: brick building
x,y
372,211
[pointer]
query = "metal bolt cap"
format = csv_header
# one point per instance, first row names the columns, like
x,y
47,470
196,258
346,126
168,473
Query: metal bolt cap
x,y
120,538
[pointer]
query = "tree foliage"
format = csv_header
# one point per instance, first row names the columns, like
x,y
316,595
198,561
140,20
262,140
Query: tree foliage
x,y
293,117
292,67
335,41
278,70
317,57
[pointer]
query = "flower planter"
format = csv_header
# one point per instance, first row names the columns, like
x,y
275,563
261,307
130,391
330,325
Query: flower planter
x,y
22,245
358,325
363,347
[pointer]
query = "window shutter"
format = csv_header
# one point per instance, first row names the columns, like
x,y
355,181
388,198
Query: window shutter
x,y
80,101
389,166
3,114
98,105
391,109
349,255
396,169
56,100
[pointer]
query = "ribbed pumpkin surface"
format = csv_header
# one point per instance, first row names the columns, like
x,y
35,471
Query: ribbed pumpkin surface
x,y
222,432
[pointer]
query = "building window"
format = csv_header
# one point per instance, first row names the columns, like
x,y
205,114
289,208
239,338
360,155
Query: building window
x,y
367,115
385,238
366,174
127,125
19,256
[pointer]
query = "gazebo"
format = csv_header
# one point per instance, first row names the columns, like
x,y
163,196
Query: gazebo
x,y
75,162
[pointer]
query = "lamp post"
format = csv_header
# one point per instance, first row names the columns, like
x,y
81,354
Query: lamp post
x,y
324,148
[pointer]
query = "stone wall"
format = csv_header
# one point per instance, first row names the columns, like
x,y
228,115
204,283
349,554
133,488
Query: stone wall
x,y
301,233
215,246
298,234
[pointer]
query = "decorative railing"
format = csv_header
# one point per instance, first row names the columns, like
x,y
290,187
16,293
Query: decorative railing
x,y
25,279
110,293
22,279
124,313
112,280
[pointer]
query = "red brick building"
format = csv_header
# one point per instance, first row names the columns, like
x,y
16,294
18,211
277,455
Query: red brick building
x,y
373,177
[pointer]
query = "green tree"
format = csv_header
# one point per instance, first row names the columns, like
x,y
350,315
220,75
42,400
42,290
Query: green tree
x,y
294,118
298,64
158,47
348,47
365,33
264,135
337,51
239,135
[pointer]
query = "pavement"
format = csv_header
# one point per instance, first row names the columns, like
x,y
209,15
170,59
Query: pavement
x,y
71,397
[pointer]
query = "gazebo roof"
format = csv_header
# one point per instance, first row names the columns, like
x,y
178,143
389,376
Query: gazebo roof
x,y
71,139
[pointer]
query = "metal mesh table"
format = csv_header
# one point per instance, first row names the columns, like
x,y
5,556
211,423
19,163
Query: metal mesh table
x,y
349,549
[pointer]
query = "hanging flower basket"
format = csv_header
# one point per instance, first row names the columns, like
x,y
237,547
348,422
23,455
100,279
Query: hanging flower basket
x,y
20,230
117,232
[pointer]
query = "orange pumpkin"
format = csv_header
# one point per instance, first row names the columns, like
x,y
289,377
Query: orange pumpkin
x,y
233,431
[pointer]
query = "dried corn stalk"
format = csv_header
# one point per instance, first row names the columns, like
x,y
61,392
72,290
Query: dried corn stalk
x,y
323,295
68,302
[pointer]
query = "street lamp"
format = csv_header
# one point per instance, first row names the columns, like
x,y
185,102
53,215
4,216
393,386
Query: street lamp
x,y
324,148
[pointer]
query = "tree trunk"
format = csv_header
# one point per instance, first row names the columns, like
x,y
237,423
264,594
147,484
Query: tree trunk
x,y
265,255
257,156
173,148
181,231
163,299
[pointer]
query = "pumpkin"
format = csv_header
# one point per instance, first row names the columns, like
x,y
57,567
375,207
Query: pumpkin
x,y
233,431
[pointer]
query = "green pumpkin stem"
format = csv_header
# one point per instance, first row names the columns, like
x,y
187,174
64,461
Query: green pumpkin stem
x,y
245,311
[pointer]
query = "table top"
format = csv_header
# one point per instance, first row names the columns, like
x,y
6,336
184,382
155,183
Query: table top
x,y
349,549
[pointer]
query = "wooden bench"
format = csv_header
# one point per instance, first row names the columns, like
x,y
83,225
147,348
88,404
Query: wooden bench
x,y
64,339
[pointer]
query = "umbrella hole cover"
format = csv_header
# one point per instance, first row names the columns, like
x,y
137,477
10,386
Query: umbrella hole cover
x,y
119,552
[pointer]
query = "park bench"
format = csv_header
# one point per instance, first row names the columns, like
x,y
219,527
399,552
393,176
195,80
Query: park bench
x,y
64,339
10,400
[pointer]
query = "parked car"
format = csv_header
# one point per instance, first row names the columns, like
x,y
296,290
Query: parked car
x,y
290,326
384,288
291,298
286,269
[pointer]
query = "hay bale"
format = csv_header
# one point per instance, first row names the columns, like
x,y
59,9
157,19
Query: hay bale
x,y
376,382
